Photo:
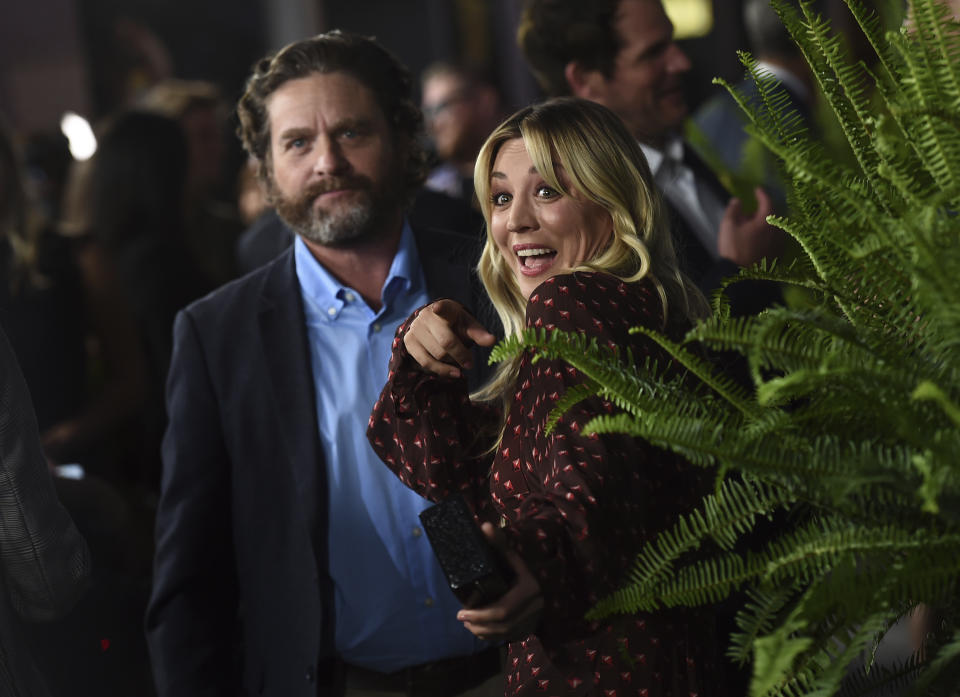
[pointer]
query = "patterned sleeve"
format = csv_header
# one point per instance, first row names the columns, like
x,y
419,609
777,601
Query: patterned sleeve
x,y
589,505
429,433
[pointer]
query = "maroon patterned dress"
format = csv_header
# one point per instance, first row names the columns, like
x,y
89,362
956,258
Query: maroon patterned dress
x,y
577,508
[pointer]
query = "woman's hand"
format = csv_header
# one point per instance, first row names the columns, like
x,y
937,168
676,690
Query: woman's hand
x,y
439,339
517,612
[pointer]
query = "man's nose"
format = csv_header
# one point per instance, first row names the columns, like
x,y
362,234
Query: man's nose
x,y
329,157
677,60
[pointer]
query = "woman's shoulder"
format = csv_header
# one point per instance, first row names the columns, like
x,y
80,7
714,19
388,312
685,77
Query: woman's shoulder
x,y
584,299
587,283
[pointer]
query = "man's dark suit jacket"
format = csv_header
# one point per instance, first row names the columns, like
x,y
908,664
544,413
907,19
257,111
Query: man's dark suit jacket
x,y
241,599
746,297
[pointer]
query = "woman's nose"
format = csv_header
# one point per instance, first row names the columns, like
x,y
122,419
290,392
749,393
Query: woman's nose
x,y
522,216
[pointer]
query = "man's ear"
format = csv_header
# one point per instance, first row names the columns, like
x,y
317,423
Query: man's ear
x,y
582,82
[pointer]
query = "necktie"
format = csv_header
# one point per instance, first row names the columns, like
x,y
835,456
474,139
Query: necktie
x,y
695,194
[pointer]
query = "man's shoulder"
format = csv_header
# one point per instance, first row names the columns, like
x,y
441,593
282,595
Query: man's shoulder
x,y
245,295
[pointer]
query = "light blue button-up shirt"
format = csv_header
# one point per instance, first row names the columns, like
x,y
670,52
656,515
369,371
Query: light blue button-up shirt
x,y
392,603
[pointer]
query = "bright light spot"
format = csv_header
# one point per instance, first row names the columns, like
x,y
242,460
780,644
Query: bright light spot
x,y
691,18
77,130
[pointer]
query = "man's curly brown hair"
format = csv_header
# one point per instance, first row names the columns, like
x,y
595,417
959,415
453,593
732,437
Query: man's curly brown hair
x,y
362,58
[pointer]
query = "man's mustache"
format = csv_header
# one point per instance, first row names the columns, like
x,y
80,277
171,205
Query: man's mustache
x,y
329,184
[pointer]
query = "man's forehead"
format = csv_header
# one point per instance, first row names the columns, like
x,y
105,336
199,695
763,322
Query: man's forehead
x,y
335,94
443,84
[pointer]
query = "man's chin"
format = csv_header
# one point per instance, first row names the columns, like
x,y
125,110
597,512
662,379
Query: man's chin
x,y
341,229
674,109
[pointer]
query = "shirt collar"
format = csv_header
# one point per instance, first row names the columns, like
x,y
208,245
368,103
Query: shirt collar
x,y
405,274
673,150
321,288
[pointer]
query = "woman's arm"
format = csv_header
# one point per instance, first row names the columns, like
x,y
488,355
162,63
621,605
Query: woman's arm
x,y
424,426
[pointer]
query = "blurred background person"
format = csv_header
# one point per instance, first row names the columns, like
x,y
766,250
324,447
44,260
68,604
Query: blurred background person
x,y
461,108
123,220
251,197
44,561
721,121
41,301
138,195
46,164
213,224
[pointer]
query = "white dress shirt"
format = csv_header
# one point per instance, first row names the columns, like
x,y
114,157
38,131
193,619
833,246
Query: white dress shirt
x,y
694,201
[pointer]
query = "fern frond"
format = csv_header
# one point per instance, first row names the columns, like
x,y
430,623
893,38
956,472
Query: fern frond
x,y
947,659
843,86
928,391
758,616
869,681
704,372
568,399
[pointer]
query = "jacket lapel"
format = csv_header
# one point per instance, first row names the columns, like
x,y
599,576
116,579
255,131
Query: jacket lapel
x,y
447,267
284,339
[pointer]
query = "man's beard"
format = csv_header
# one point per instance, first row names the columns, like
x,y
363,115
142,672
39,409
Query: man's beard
x,y
342,226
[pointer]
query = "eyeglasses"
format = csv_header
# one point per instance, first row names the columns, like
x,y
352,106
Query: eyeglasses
x,y
432,111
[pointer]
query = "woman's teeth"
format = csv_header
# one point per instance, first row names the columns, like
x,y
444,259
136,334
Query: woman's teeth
x,y
533,252
531,258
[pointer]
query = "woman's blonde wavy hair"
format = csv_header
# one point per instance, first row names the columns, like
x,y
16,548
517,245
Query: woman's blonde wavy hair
x,y
606,166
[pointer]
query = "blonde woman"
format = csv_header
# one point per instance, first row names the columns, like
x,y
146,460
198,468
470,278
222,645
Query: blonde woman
x,y
575,241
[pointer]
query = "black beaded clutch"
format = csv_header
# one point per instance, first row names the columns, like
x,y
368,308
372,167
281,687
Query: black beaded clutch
x,y
476,572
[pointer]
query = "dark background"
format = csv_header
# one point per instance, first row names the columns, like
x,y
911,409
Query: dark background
x,y
94,56
57,55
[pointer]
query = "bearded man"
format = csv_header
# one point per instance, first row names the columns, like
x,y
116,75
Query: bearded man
x,y
289,560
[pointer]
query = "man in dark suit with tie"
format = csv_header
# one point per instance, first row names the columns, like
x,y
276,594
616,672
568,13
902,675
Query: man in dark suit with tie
x,y
289,560
621,53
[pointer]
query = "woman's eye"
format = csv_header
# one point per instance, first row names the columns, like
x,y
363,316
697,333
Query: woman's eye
x,y
500,199
546,192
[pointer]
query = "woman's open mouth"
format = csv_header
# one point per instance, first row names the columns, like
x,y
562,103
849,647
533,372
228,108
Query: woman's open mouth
x,y
535,260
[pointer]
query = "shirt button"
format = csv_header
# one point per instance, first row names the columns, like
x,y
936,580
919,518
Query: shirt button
x,y
417,532
332,311
348,297
428,602
376,327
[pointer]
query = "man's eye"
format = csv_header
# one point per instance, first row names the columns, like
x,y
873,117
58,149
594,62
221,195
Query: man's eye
x,y
349,134
500,198
297,143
